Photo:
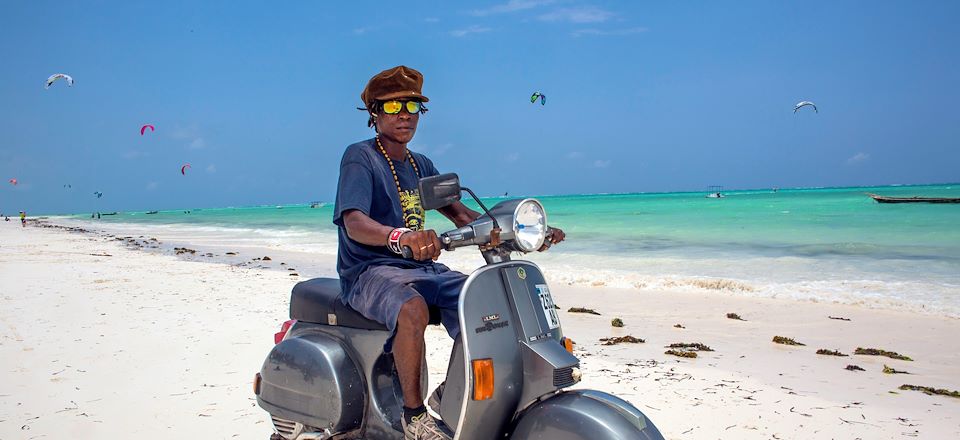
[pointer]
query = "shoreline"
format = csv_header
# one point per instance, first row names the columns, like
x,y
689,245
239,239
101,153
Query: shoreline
x,y
177,357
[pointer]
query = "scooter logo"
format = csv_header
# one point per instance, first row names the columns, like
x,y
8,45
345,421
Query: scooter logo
x,y
521,273
489,325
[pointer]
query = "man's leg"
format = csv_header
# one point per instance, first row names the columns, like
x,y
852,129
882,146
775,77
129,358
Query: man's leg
x,y
408,349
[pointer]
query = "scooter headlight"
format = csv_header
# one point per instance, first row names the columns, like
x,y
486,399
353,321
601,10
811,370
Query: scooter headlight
x,y
529,225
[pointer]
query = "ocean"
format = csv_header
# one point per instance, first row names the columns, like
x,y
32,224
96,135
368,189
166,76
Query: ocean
x,y
819,244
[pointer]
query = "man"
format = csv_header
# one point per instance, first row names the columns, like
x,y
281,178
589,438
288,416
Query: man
x,y
23,219
378,212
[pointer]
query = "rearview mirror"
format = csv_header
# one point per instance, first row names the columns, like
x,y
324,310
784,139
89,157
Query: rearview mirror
x,y
439,191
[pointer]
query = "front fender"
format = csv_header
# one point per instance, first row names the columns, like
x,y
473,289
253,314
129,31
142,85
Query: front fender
x,y
582,415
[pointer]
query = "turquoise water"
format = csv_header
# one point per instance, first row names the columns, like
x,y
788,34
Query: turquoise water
x,y
833,244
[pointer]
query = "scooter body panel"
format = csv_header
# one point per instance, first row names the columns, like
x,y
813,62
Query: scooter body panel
x,y
582,415
350,385
500,308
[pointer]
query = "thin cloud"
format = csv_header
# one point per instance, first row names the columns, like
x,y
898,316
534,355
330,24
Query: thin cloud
x,y
574,155
612,32
583,14
510,6
475,29
134,154
601,163
431,20
198,143
361,31
152,186
512,157
211,168
858,158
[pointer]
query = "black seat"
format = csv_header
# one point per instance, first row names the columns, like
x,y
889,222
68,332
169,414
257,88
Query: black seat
x,y
318,300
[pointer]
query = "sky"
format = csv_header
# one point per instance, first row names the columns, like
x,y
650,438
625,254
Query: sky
x,y
260,97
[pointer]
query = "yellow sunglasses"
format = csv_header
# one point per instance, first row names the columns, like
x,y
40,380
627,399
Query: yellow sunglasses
x,y
394,107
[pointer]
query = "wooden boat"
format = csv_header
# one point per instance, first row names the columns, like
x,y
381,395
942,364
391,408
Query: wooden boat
x,y
151,212
914,199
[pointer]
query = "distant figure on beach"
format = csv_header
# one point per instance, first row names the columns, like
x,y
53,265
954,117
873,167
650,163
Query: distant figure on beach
x,y
376,224
23,219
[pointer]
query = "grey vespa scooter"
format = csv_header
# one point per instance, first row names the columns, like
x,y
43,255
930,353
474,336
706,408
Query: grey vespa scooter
x,y
327,377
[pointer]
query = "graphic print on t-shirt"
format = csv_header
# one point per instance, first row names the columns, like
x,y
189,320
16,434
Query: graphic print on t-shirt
x,y
412,211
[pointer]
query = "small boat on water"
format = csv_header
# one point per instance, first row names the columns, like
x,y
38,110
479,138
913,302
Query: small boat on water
x,y
151,212
914,199
716,192
109,213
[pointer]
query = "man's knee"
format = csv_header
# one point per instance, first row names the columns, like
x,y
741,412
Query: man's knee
x,y
414,314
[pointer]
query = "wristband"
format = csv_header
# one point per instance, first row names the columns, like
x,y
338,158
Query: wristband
x,y
393,240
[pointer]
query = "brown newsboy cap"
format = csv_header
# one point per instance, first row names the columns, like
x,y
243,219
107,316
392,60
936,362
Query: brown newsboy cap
x,y
394,83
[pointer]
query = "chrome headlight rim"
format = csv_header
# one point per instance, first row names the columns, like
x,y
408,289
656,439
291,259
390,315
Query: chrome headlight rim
x,y
542,232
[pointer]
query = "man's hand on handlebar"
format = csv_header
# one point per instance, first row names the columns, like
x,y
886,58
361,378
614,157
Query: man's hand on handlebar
x,y
423,244
554,236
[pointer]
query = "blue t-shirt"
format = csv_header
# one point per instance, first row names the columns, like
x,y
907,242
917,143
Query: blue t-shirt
x,y
366,184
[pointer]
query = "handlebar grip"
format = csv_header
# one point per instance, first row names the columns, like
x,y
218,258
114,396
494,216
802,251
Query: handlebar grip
x,y
407,252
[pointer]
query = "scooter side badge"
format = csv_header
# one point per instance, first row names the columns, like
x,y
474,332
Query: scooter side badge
x,y
521,273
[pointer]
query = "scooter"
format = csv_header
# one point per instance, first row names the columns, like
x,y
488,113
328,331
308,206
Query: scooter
x,y
327,377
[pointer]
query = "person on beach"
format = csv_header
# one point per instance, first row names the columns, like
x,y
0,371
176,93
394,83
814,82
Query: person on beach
x,y
23,219
378,212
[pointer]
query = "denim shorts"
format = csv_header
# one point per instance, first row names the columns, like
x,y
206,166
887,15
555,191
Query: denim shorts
x,y
381,291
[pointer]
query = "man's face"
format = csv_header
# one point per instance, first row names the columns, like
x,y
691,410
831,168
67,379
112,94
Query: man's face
x,y
399,127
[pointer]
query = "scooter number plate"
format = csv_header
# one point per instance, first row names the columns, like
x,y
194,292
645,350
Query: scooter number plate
x,y
549,309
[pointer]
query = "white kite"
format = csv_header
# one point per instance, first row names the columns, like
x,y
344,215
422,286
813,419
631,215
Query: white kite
x,y
804,104
57,76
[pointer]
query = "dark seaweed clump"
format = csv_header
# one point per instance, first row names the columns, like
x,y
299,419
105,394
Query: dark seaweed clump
x,y
879,352
617,322
621,339
854,368
690,346
888,370
931,390
682,353
786,341
830,352
735,316
582,310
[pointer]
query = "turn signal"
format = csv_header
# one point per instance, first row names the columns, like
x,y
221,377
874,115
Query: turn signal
x,y
482,379
568,344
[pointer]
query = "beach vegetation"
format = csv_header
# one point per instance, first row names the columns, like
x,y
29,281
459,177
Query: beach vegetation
x,y
582,310
616,322
854,368
839,318
621,339
690,346
681,353
931,390
786,341
735,316
881,352
678,326
888,370
826,352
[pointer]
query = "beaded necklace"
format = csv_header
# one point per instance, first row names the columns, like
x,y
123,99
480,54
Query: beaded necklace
x,y
394,171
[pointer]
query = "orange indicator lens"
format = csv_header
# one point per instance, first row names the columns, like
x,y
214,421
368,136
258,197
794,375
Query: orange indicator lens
x,y
482,379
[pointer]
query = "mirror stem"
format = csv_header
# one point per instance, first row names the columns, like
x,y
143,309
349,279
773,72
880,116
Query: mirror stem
x,y
484,208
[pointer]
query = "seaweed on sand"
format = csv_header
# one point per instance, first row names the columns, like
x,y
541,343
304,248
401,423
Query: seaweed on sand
x,y
831,352
888,370
617,322
931,390
682,353
621,339
880,352
838,318
786,341
690,346
854,368
582,310
735,316
678,326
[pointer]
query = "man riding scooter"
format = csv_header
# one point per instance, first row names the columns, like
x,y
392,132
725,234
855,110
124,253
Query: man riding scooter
x,y
378,212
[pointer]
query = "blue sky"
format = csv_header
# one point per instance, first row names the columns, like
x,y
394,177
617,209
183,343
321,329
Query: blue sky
x,y
259,97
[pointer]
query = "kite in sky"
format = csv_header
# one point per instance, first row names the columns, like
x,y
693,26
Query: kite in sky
x,y
183,169
56,76
535,95
804,104
144,128
98,194
13,182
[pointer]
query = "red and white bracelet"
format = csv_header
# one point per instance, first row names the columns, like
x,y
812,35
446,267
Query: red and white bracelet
x,y
393,240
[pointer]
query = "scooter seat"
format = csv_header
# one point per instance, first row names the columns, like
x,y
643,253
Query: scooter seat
x,y
318,301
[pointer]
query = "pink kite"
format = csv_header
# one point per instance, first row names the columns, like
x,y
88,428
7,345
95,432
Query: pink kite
x,y
144,128
13,181
183,169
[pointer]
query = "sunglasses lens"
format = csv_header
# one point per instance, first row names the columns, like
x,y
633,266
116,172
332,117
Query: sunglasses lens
x,y
413,107
391,107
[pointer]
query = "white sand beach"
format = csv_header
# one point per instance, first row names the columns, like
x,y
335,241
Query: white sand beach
x,y
101,339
